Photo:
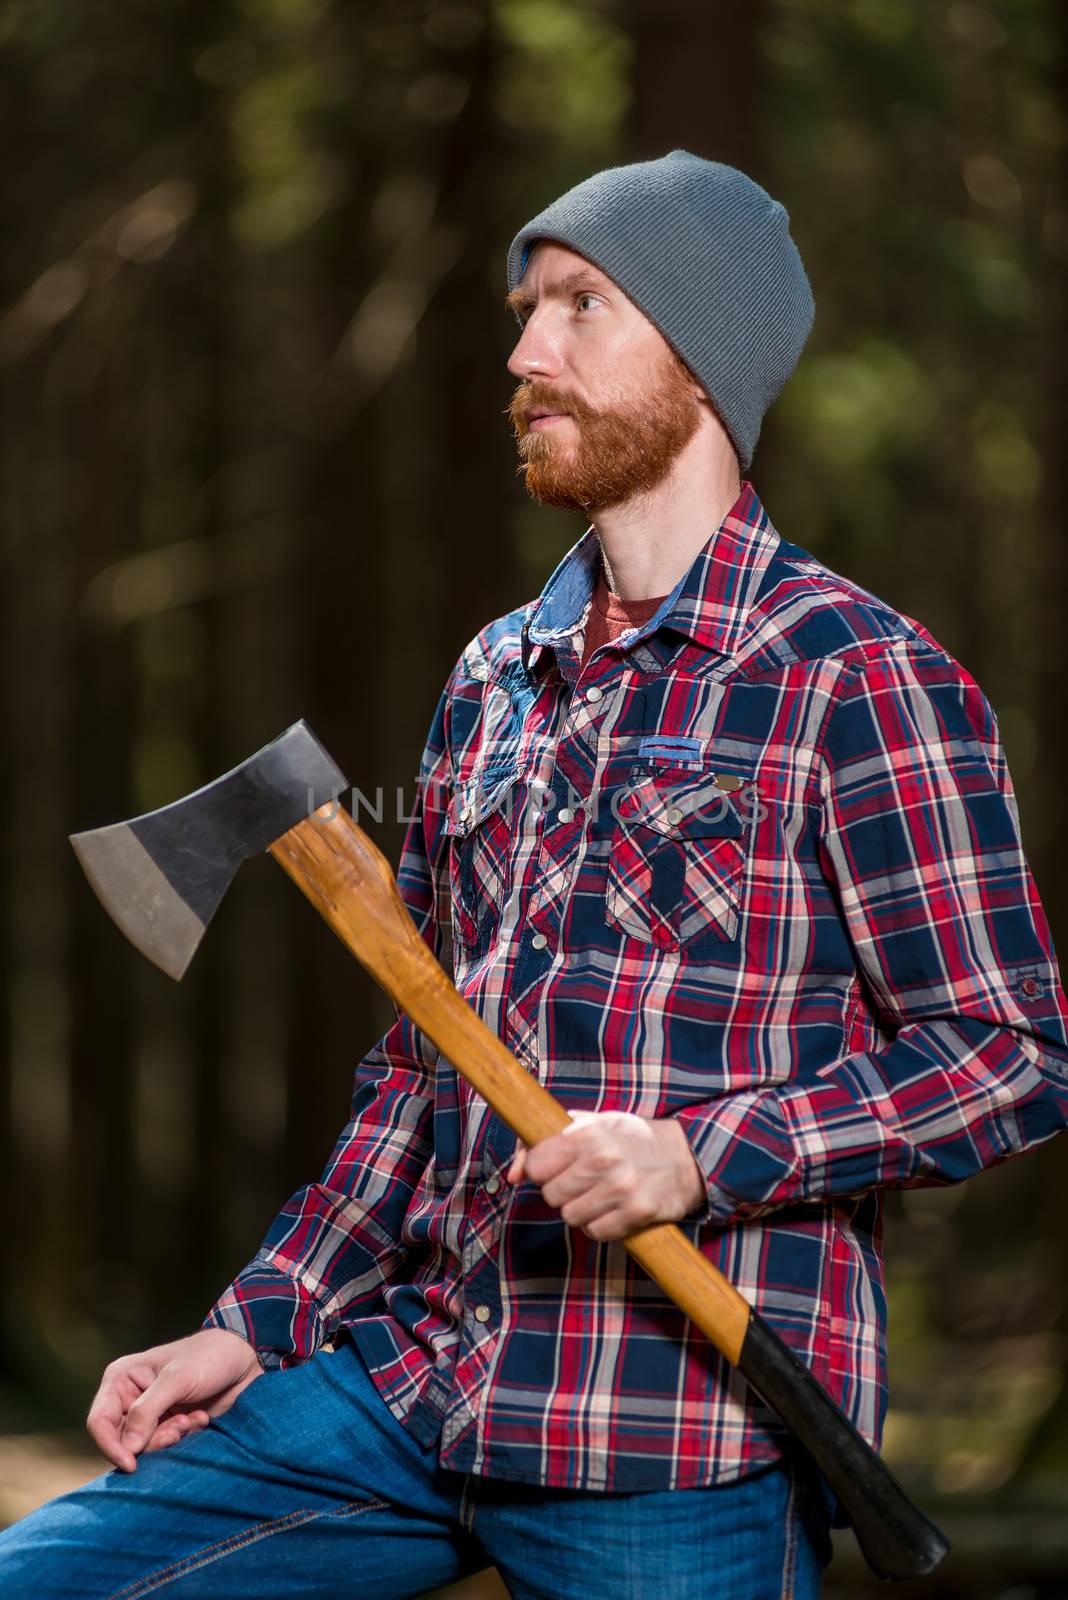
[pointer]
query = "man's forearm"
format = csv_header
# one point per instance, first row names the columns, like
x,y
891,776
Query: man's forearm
x,y
336,1243
946,1099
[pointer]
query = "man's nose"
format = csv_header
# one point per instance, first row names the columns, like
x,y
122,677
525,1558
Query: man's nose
x,y
535,355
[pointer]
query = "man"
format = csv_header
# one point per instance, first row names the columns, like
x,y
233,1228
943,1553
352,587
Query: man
x,y
725,849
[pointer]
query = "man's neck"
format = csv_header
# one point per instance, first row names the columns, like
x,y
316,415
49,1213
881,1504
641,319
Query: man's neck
x,y
651,541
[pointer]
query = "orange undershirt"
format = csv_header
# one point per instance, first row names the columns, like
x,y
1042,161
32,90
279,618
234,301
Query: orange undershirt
x,y
610,616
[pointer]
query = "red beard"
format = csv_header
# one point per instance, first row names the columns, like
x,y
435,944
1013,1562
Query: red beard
x,y
623,450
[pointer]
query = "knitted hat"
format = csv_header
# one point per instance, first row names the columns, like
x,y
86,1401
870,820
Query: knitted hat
x,y
707,255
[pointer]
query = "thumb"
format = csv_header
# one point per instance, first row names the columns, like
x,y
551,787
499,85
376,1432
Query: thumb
x,y
518,1167
169,1385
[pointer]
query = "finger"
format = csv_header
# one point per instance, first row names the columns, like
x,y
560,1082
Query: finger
x,y
550,1157
106,1412
159,1398
588,1207
612,1225
166,1434
170,1431
108,1441
575,1184
117,1391
106,1417
185,1418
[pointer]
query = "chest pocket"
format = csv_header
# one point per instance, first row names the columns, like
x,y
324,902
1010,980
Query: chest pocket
x,y
677,861
480,824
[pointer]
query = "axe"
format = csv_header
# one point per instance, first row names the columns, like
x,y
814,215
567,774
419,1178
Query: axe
x,y
161,876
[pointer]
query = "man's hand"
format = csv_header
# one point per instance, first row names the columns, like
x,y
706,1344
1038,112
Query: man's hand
x,y
610,1172
153,1399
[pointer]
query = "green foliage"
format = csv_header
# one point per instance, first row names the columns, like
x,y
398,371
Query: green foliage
x,y
564,82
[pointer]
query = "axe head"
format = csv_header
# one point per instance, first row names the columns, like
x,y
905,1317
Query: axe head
x,y
161,876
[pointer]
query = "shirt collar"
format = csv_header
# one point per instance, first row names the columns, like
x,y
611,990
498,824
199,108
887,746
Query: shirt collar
x,y
710,603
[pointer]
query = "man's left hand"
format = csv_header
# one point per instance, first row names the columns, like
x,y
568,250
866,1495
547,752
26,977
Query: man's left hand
x,y
610,1172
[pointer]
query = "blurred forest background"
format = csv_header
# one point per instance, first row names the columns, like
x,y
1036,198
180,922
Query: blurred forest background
x,y
253,466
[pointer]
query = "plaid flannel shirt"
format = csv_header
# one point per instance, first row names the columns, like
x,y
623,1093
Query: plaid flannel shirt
x,y
756,867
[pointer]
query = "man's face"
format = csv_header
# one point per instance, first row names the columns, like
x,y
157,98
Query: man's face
x,y
605,405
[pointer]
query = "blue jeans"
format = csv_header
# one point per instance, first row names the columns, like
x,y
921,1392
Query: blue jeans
x,y
308,1486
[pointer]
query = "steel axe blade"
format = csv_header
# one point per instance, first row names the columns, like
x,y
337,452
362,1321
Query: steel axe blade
x,y
161,876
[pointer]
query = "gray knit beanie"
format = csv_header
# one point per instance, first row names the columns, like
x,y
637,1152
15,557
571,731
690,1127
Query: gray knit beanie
x,y
707,255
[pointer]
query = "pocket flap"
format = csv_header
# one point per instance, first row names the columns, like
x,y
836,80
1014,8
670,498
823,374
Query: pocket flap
x,y
694,809
471,803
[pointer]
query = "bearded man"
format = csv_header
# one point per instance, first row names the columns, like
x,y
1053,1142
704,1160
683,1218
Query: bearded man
x,y
725,849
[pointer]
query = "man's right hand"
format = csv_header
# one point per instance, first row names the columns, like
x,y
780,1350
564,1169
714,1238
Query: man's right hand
x,y
153,1399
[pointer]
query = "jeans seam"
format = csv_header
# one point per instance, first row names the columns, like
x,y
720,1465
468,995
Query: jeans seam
x,y
789,1567
234,1543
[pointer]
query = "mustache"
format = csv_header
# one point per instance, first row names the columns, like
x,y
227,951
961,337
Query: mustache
x,y
532,395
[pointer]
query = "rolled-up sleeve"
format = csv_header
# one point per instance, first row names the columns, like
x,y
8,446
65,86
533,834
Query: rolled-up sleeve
x,y
919,838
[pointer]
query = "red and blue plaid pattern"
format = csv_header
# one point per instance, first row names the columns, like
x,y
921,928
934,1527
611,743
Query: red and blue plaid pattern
x,y
758,867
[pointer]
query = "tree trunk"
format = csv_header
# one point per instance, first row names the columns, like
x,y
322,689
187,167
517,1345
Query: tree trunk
x,y
696,80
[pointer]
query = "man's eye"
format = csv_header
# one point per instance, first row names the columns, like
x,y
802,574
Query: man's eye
x,y
583,300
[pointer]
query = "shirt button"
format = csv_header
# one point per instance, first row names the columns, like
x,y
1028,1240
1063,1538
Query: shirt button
x,y
482,1313
539,941
593,693
493,1183
674,816
1029,986
565,814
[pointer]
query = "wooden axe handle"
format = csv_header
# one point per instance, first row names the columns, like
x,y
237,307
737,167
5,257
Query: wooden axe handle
x,y
350,882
